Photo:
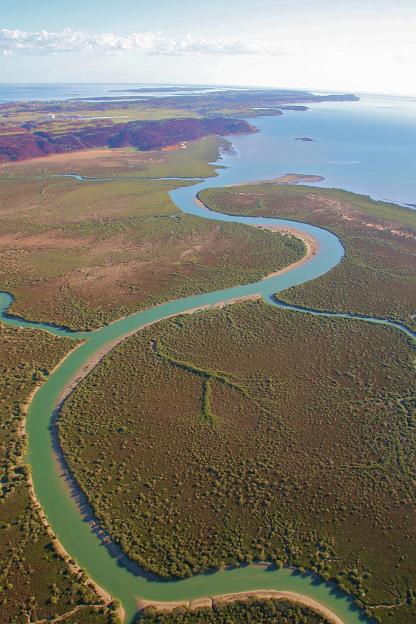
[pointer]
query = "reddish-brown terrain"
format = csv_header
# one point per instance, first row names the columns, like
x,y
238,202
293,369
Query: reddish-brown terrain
x,y
21,143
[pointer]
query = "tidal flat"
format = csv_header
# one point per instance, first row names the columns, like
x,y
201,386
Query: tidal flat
x,y
118,244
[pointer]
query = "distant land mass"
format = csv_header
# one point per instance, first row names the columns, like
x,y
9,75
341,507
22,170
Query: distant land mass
x,y
294,108
35,129
164,89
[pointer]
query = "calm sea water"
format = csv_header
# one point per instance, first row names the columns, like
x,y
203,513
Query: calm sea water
x,y
64,91
367,146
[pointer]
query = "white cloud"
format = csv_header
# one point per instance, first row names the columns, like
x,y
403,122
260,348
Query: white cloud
x,y
152,43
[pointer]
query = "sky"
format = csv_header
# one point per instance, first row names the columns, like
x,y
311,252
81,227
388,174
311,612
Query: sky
x,y
363,46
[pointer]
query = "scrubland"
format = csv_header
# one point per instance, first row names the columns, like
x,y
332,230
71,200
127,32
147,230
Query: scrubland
x,y
36,582
251,433
83,254
377,275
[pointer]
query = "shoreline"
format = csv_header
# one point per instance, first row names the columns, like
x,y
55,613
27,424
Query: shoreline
x,y
224,599
286,178
311,244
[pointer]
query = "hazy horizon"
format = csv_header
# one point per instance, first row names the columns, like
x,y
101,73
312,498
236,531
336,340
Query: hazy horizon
x,y
367,46
315,90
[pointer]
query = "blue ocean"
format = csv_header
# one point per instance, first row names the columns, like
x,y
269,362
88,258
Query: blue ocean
x,y
367,146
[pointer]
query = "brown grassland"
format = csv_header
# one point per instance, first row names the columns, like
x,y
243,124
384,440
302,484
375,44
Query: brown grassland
x,y
252,433
86,253
378,273
127,162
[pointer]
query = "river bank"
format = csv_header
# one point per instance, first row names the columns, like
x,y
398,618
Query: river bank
x,y
215,602
60,550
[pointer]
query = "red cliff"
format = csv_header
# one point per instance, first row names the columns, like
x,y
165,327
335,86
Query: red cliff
x,y
22,143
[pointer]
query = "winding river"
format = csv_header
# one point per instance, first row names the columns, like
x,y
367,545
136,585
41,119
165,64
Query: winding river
x,y
74,532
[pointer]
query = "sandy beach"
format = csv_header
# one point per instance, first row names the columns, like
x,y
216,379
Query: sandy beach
x,y
309,241
217,601
287,178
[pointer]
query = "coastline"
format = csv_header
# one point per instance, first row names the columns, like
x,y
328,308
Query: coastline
x,y
266,594
223,599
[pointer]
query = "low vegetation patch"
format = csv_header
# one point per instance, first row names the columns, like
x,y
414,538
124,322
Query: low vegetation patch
x,y
309,461
258,611
83,254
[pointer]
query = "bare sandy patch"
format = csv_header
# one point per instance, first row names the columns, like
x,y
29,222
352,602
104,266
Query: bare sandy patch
x,y
218,601
287,178
309,241
297,178
103,157
48,240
